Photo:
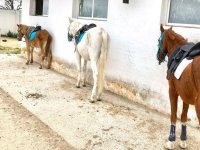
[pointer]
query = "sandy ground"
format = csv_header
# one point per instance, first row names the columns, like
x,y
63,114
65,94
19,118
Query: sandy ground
x,y
111,124
20,129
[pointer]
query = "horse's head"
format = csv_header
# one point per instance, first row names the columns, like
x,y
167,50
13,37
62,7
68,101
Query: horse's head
x,y
168,42
21,31
162,46
73,28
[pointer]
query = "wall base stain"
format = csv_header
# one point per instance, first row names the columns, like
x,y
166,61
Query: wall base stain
x,y
131,91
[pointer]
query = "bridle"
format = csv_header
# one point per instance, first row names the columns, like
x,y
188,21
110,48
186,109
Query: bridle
x,y
20,35
160,49
70,37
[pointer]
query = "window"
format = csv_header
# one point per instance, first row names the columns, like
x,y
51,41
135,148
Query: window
x,y
183,13
93,8
39,7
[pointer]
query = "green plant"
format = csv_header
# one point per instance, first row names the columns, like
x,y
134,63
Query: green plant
x,y
11,34
3,35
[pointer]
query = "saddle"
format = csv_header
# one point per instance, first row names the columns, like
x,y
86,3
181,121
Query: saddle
x,y
80,33
31,32
188,51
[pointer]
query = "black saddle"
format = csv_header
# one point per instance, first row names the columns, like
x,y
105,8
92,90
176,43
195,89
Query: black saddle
x,y
82,30
188,51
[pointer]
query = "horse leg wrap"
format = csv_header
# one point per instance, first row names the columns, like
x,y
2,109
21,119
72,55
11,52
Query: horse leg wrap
x,y
172,136
183,137
183,133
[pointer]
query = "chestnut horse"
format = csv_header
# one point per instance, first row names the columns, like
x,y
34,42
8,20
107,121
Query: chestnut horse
x,y
187,87
42,40
92,47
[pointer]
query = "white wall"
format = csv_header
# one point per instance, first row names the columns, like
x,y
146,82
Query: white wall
x,y
9,20
134,32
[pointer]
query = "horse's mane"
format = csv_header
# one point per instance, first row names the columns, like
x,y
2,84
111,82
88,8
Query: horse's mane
x,y
178,38
75,26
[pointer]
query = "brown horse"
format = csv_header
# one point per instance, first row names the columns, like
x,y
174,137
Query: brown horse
x,y
187,87
42,40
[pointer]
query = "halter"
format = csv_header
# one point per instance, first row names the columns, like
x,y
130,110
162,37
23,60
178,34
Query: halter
x,y
70,37
160,49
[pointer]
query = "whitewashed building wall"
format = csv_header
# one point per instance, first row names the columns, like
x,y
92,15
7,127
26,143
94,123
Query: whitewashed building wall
x,y
134,30
9,20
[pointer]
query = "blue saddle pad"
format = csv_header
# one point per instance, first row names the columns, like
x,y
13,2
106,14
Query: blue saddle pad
x,y
81,36
32,35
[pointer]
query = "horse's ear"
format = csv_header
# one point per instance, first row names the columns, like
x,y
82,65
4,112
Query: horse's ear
x,y
18,25
161,28
70,20
171,36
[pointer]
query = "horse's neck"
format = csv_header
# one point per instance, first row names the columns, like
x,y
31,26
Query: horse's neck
x,y
78,26
176,44
25,29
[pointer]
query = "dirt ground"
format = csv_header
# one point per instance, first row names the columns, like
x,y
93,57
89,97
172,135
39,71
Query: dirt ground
x,y
20,129
62,115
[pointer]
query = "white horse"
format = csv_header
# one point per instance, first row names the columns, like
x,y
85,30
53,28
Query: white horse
x,y
92,47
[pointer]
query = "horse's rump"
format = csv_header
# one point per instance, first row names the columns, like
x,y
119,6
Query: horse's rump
x,y
196,71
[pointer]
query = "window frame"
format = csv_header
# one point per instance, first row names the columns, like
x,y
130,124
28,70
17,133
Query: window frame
x,y
91,18
32,10
166,20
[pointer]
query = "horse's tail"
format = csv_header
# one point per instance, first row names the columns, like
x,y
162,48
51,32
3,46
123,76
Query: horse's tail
x,y
102,60
48,51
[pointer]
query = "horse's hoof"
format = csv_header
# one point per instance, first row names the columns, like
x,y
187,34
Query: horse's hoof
x,y
98,99
183,144
31,61
27,62
77,86
84,85
40,67
91,100
169,145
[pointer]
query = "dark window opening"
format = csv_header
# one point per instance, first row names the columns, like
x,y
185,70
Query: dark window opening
x,y
39,7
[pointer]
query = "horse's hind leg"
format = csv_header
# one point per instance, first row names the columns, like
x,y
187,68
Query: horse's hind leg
x,y
197,107
42,61
95,76
42,54
28,53
78,65
31,51
183,137
173,101
49,59
84,72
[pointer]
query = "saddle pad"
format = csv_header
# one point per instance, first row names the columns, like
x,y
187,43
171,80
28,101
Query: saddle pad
x,y
32,36
181,67
81,36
